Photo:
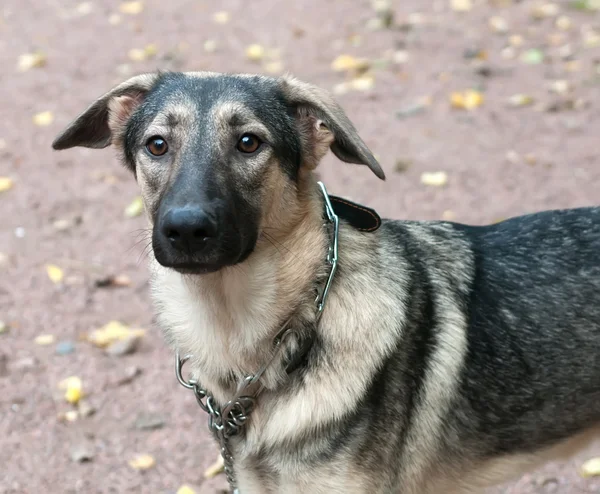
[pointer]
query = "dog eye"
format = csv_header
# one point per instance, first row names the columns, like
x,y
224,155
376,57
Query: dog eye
x,y
157,146
248,143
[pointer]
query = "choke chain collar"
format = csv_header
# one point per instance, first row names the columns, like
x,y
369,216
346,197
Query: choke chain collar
x,y
228,420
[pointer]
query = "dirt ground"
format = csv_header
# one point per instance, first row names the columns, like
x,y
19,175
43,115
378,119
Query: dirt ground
x,y
67,209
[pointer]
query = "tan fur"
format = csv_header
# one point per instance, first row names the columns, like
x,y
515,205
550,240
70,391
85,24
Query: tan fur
x,y
227,319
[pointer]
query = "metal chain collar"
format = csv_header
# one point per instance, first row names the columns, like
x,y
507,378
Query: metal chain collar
x,y
230,419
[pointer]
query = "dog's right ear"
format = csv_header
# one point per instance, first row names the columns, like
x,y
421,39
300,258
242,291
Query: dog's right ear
x,y
101,123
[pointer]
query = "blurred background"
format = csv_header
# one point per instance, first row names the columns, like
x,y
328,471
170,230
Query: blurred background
x,y
477,109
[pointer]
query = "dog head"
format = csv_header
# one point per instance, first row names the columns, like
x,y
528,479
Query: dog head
x,y
219,158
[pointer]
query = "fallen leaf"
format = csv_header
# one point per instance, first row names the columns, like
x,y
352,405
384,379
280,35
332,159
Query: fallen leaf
x,y
84,8
498,25
434,179
55,274
6,183
136,54
520,100
591,468
345,63
563,23
210,46
135,208
3,327
29,61
530,159
43,119
255,52
215,469
461,5
585,5
591,38
44,339
111,332
150,50
533,56
362,83
221,17
142,462
73,388
466,100
544,10
275,67
185,489
560,87
516,40
131,8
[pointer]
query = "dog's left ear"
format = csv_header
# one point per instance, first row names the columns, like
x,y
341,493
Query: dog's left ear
x,y
99,125
317,104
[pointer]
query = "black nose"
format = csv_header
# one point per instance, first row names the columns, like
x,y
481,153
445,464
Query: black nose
x,y
188,228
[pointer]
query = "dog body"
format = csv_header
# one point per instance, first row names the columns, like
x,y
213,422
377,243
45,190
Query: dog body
x,y
448,357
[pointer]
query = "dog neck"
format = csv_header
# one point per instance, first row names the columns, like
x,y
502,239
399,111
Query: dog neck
x,y
227,320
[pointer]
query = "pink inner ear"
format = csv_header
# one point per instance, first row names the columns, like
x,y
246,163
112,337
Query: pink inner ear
x,y
120,110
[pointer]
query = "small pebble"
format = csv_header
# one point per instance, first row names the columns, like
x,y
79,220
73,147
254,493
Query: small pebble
x,y
82,451
149,421
20,232
65,348
85,409
125,346
129,375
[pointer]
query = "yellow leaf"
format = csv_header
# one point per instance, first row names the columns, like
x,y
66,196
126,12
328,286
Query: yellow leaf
x,y
345,63
55,274
70,382
221,17
135,208
131,8
43,119
591,468
112,332
6,183
73,395
216,468
29,61
136,55
519,100
255,52
44,339
142,462
461,5
435,179
73,388
185,489
467,100
151,50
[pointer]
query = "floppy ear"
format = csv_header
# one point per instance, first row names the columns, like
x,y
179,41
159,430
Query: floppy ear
x,y
320,106
98,126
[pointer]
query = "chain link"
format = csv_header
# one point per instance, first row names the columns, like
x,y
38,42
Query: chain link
x,y
229,420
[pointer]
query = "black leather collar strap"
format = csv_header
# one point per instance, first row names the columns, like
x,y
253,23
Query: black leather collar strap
x,y
360,217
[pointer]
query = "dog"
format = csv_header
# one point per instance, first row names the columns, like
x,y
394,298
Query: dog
x,y
445,358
